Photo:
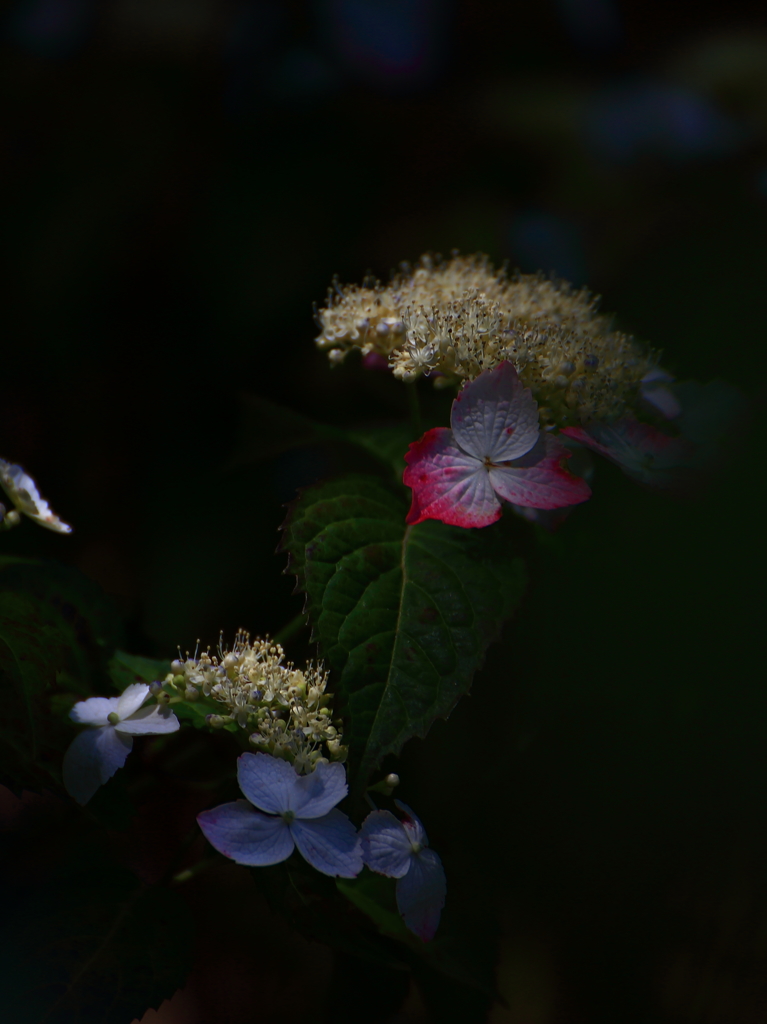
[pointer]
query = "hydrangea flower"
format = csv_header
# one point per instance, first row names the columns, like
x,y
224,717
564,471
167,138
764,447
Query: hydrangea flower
x,y
495,450
300,811
95,755
642,451
23,492
703,414
399,849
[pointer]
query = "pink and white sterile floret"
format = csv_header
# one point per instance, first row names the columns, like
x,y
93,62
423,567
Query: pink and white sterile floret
x,y
301,812
494,450
399,849
98,751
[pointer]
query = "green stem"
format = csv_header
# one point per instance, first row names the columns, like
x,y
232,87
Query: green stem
x,y
415,407
292,627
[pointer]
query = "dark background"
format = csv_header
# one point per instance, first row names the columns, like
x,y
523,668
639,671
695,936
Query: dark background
x,y
182,179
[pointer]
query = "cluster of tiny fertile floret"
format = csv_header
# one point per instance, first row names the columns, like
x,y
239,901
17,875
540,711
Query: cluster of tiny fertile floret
x,y
285,710
453,319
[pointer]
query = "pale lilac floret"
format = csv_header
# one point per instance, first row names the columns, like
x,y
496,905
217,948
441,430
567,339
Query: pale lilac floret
x,y
301,813
98,751
399,849
495,450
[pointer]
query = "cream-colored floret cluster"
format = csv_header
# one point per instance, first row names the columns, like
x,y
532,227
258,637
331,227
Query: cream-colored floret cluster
x,y
451,320
286,710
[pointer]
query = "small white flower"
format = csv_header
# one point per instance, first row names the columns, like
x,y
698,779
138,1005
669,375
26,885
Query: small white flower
x,y
95,755
399,849
23,492
301,812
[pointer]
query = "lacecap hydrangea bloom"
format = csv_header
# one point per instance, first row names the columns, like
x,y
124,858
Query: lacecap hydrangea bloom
x,y
399,849
494,450
285,810
453,319
23,493
99,750
285,710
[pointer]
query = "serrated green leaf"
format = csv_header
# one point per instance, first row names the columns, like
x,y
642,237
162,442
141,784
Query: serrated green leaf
x,y
403,614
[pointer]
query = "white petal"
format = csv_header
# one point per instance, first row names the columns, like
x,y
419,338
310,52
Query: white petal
x,y
412,825
268,782
91,759
239,831
386,847
94,710
329,844
155,719
495,417
318,793
132,698
421,894
23,492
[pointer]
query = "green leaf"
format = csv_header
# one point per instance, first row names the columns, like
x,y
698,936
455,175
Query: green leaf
x,y
464,955
125,669
91,946
268,429
57,630
403,614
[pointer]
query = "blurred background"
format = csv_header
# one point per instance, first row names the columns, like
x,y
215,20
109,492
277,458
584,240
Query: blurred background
x,y
183,178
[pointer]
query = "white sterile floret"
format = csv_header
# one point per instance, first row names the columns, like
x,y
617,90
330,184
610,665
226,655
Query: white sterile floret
x,y
300,811
23,492
95,755
399,849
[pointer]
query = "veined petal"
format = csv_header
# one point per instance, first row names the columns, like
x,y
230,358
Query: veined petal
x,y
246,835
132,698
268,782
155,719
421,894
319,792
539,479
415,831
386,847
330,844
91,759
495,417
642,451
447,483
94,710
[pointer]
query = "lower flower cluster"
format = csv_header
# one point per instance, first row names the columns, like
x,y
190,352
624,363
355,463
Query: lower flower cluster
x,y
284,811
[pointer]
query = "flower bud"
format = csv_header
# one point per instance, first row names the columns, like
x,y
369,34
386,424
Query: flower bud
x,y
214,721
191,693
177,667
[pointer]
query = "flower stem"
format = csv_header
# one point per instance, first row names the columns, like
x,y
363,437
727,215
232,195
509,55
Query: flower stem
x,y
292,627
415,407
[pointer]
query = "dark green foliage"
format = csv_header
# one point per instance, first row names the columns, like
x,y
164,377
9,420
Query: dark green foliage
x,y
91,946
57,631
403,614
125,669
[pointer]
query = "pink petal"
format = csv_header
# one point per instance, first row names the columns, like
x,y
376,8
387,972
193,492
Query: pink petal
x,y
540,479
495,417
642,451
447,483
